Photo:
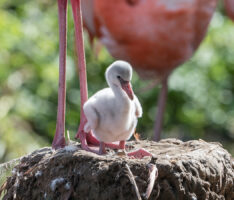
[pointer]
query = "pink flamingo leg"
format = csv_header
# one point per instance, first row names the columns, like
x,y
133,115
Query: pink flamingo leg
x,y
122,144
161,108
59,138
86,138
85,146
102,149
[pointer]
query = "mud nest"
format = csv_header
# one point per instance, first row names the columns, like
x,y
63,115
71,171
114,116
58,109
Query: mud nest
x,y
193,170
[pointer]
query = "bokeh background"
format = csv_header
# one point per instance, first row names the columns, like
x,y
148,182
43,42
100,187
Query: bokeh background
x,y
201,92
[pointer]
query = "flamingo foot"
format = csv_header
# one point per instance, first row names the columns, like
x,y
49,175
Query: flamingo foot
x,y
86,147
140,153
89,137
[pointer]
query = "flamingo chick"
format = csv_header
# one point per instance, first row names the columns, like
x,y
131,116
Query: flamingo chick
x,y
112,112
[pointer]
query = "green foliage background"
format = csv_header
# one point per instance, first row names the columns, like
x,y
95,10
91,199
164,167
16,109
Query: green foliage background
x,y
200,103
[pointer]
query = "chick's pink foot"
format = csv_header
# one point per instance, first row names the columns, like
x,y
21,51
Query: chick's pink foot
x,y
83,140
140,153
85,146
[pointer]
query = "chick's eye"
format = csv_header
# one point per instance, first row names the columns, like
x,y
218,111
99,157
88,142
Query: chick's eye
x,y
118,77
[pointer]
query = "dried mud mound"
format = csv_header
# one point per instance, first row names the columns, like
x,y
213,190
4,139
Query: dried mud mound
x,y
193,170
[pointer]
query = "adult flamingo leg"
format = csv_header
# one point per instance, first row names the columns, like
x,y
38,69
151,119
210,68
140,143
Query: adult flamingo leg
x,y
86,138
161,108
59,138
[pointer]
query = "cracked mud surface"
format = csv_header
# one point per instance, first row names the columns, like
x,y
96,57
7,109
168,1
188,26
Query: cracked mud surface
x,y
193,170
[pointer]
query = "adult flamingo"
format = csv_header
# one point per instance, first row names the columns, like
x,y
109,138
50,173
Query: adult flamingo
x,y
155,36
